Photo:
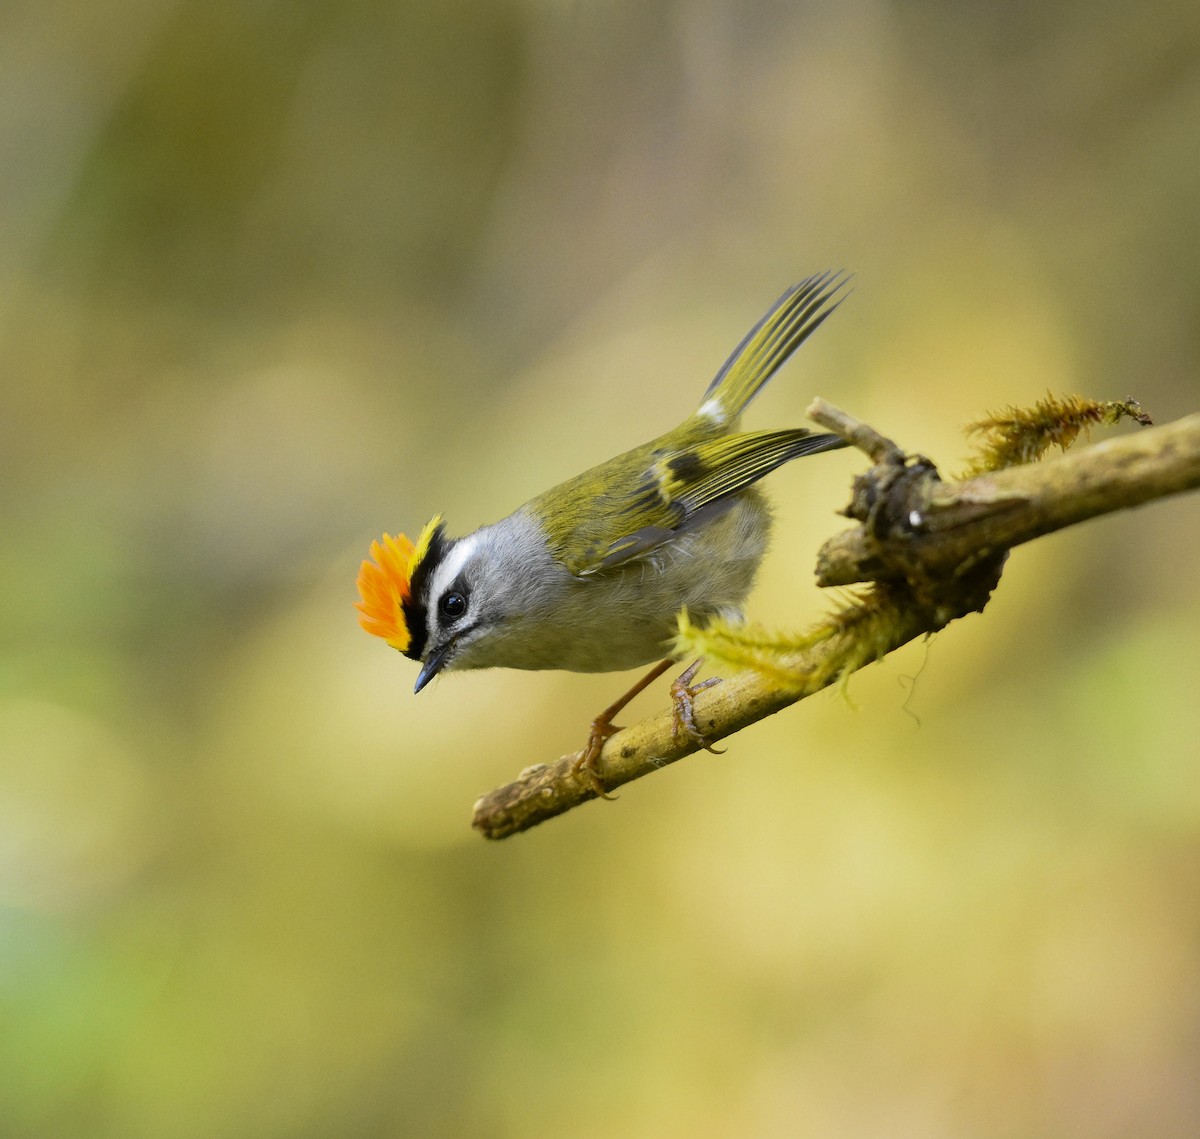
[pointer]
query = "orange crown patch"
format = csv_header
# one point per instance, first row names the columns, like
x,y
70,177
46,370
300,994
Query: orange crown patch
x,y
385,585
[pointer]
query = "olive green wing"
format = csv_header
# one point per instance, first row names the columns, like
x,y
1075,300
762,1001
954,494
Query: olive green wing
x,y
678,488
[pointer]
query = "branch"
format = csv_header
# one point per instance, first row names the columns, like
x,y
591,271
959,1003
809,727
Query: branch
x,y
920,520
933,549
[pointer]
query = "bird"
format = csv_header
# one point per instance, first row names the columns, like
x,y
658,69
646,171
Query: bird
x,y
590,575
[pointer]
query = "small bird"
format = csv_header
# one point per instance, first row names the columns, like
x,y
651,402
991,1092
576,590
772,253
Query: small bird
x,y
590,575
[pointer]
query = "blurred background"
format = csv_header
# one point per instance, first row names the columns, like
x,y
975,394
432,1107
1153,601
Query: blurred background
x,y
275,277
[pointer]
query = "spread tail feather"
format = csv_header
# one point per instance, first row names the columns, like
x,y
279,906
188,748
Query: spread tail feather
x,y
766,347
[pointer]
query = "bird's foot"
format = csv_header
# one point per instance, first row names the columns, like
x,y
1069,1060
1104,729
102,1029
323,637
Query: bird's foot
x,y
683,695
587,762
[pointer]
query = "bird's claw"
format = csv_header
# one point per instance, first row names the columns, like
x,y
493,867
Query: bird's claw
x,y
587,762
683,694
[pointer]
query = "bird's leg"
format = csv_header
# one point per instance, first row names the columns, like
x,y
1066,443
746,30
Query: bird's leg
x,y
603,727
683,694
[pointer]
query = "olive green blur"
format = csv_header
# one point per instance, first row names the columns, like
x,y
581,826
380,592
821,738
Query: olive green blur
x,y
276,277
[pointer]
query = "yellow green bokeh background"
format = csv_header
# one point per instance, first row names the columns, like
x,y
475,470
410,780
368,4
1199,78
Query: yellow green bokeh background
x,y
275,277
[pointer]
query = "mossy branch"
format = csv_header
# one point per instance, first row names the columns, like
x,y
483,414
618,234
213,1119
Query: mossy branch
x,y
932,550
914,525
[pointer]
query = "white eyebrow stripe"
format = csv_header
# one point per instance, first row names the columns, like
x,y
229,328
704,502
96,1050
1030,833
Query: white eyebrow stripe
x,y
452,565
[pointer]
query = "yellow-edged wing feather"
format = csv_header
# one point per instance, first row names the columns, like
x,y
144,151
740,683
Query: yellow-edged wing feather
x,y
632,504
629,506
684,483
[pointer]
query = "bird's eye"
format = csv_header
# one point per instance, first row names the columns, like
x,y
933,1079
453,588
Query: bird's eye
x,y
452,605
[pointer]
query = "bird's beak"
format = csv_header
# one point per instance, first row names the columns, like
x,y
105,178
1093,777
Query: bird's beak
x,y
436,662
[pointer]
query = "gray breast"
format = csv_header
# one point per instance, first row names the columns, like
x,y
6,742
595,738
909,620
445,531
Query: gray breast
x,y
625,616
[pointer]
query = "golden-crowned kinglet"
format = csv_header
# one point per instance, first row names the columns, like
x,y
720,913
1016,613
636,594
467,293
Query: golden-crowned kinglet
x,y
590,575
